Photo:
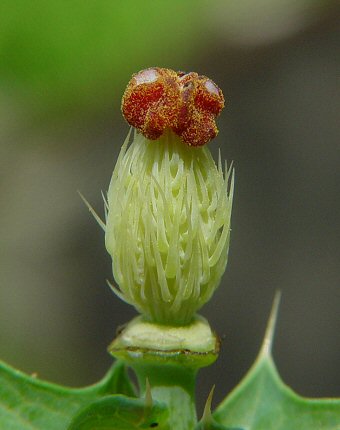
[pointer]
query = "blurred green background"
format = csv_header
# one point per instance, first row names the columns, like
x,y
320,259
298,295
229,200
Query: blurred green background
x,y
63,68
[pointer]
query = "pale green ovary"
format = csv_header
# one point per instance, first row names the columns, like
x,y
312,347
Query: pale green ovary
x,y
168,226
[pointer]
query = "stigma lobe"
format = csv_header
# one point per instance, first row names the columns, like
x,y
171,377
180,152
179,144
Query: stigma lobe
x,y
157,99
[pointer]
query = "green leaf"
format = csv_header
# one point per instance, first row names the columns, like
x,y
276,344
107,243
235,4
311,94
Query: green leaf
x,y
121,413
213,425
263,402
26,403
78,54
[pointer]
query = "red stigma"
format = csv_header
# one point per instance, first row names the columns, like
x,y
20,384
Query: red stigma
x,y
187,103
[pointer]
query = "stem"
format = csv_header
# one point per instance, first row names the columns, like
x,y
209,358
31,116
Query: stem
x,y
175,386
168,358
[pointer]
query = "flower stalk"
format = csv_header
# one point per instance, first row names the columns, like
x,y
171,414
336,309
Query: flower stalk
x,y
168,358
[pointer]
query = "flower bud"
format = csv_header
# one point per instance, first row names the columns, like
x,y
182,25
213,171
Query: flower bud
x,y
168,226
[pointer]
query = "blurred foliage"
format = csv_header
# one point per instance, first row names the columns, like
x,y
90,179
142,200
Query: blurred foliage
x,y
74,54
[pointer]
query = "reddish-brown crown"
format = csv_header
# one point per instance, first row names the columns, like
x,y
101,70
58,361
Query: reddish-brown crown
x,y
187,103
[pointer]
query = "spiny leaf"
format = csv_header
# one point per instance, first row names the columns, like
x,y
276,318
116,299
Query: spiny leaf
x,y
207,422
207,408
27,403
121,413
263,402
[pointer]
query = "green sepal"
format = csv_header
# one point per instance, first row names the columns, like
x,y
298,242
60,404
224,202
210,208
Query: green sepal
x,y
191,346
121,413
27,403
262,401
